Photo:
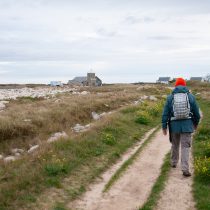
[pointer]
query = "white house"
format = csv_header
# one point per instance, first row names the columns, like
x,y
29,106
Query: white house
x,y
56,84
198,79
164,80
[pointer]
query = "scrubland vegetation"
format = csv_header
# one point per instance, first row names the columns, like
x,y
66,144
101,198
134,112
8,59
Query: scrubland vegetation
x,y
201,149
73,163
70,165
30,121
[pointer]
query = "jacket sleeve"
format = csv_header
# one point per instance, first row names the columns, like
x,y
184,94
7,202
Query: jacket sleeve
x,y
195,111
166,114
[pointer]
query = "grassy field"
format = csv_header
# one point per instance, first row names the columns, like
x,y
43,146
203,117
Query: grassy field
x,y
81,157
201,151
30,121
201,148
70,165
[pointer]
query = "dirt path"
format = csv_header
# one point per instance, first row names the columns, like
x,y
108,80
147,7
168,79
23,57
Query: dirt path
x,y
178,192
133,188
50,196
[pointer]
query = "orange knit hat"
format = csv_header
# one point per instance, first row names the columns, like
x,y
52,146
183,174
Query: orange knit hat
x,y
180,81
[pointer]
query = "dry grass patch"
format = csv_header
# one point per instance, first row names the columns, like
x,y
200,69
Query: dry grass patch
x,y
30,121
81,159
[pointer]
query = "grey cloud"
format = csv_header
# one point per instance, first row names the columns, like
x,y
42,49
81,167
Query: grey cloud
x,y
106,33
134,20
148,19
160,38
126,35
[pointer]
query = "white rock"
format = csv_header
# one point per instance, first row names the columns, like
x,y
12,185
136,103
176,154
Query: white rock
x,y
38,92
10,159
137,102
80,128
144,97
95,116
17,154
57,136
87,126
153,98
16,150
27,120
57,101
84,93
103,114
2,106
33,148
4,102
1,157
106,105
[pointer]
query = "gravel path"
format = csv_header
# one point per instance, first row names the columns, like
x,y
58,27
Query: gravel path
x,y
177,193
133,187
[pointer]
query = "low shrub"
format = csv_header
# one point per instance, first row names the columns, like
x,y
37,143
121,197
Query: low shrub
x,y
54,169
143,117
203,134
131,109
202,166
59,206
108,139
156,109
145,105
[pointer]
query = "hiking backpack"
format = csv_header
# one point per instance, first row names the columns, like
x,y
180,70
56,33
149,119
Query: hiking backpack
x,y
181,106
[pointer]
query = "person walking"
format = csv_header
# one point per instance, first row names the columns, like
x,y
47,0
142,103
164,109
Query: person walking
x,y
181,116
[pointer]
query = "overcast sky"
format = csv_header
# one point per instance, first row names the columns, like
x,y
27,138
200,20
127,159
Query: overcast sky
x,y
120,40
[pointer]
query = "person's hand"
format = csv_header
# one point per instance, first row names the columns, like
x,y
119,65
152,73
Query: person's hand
x,y
164,132
195,127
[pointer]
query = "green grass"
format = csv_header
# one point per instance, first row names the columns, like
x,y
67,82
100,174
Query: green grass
x,y
127,163
201,152
158,186
59,206
81,159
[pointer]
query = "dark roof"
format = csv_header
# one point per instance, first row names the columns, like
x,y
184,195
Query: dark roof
x,y
196,78
165,79
80,79
98,79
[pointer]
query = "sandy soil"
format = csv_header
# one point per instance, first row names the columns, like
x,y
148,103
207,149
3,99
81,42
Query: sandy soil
x,y
177,193
134,186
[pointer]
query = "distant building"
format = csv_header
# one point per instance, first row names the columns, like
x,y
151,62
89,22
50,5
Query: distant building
x,y
164,80
78,81
90,80
56,84
198,79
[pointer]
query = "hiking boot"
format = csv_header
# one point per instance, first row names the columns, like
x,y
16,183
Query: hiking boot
x,y
186,173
